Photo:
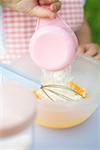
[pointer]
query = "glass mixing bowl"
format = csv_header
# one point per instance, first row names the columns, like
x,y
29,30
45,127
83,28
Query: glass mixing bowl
x,y
64,115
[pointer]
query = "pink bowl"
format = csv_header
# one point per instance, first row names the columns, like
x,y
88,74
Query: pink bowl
x,y
53,45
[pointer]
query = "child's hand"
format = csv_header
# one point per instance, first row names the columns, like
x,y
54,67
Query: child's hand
x,y
35,7
91,49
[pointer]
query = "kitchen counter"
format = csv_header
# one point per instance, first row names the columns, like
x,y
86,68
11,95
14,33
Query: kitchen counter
x,y
82,137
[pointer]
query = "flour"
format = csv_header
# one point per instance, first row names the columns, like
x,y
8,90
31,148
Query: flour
x,y
58,78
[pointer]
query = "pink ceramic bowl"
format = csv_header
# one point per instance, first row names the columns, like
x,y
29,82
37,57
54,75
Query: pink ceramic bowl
x,y
53,45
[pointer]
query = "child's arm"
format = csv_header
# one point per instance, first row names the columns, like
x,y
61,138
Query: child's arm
x,y
34,7
83,32
86,47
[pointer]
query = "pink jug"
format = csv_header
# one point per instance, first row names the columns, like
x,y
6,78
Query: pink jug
x,y
53,45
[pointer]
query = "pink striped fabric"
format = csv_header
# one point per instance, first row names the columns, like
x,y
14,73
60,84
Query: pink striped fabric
x,y
18,28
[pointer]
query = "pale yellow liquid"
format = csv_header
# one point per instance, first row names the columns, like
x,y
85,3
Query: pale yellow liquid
x,y
62,118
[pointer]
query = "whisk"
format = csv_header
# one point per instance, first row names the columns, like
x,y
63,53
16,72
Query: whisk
x,y
48,90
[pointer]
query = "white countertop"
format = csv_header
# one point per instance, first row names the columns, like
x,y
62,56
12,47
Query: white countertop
x,y
82,137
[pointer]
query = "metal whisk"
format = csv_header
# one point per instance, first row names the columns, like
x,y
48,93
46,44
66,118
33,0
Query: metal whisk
x,y
59,91
48,90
